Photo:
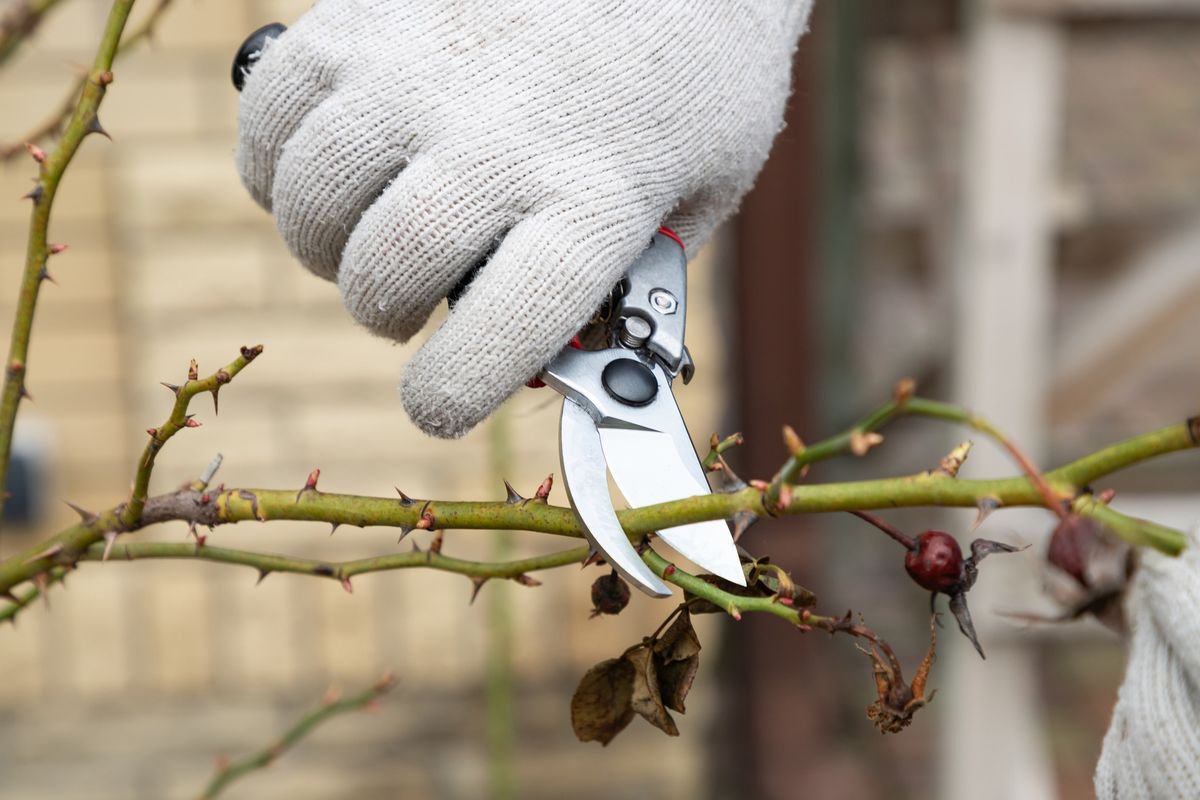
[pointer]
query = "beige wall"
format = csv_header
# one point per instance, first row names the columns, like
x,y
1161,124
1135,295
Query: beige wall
x,y
141,673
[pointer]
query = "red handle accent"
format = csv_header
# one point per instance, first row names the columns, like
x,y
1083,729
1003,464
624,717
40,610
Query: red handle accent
x,y
538,383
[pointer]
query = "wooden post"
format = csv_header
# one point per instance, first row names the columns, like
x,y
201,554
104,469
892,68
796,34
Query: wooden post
x,y
993,743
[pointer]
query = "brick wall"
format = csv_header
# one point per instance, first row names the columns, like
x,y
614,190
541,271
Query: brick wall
x,y
141,673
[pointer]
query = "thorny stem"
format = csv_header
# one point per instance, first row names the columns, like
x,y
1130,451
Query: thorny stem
x,y
905,405
924,489
329,708
67,546
54,122
83,122
180,418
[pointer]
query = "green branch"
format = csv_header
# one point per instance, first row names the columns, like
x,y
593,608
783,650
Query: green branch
x,y
198,506
330,707
38,249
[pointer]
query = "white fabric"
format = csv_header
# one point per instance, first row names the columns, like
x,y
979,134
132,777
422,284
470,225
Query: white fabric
x,y
1152,748
398,141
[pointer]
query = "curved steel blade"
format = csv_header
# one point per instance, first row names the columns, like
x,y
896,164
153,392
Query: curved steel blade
x,y
586,478
649,468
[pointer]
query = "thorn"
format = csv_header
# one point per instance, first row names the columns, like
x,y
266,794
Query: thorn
x,y
476,584
669,571
952,462
24,393
216,404
262,576
42,581
110,538
405,500
200,542
415,549
310,485
333,527
904,390
435,545
38,154
525,580
49,552
44,275
736,613
792,440
152,431
35,194
173,387
55,249
543,491
985,506
514,497
349,587
742,520
94,126
87,516
193,371
861,442
405,530
593,557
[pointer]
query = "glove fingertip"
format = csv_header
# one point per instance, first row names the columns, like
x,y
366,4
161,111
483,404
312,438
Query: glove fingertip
x,y
438,411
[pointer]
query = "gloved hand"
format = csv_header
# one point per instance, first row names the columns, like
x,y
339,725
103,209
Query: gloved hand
x,y
397,142
1152,748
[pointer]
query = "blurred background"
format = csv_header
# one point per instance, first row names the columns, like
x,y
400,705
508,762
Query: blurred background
x,y
999,198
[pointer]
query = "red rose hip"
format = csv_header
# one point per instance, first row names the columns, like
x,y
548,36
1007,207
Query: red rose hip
x,y
937,562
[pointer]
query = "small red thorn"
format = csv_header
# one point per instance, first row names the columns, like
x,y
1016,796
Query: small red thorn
x,y
669,571
543,491
39,155
785,601
201,541
349,587
191,423
205,499
735,613
311,483
152,431
193,371
55,249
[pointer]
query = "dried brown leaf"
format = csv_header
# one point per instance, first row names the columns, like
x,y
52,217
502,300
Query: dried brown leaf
x,y
675,681
601,706
646,700
679,642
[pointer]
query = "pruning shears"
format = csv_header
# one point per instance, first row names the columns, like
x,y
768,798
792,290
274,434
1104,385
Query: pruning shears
x,y
619,413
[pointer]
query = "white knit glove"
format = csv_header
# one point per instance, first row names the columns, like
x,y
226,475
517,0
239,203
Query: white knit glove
x,y
1152,748
398,141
